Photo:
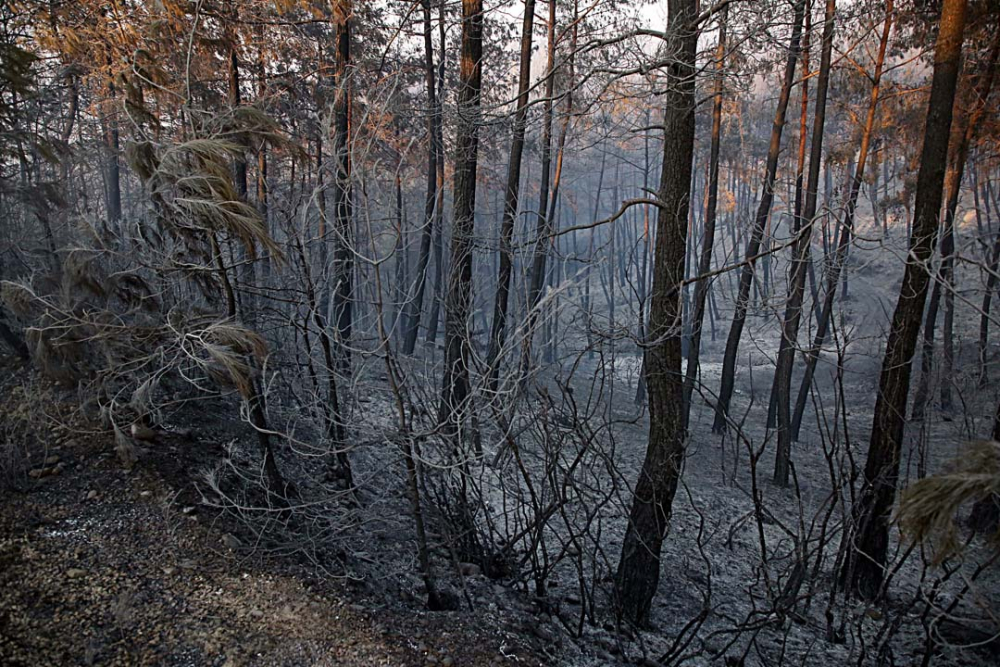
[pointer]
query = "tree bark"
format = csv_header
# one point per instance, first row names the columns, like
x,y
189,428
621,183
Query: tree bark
x,y
638,572
711,206
414,303
498,333
546,213
800,170
965,128
760,221
800,250
455,389
343,260
991,286
435,314
868,531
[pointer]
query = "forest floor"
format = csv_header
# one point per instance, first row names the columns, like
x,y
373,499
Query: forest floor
x,y
104,566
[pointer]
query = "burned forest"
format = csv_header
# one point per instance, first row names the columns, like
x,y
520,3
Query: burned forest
x,y
539,332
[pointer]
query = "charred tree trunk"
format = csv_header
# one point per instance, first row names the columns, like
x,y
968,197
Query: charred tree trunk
x,y
498,334
343,295
992,281
760,221
240,181
262,189
455,390
800,168
114,187
868,532
836,258
965,128
708,243
638,572
546,213
415,301
439,257
588,303
800,251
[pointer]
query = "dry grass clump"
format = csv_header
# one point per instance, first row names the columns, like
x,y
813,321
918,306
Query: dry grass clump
x,y
928,507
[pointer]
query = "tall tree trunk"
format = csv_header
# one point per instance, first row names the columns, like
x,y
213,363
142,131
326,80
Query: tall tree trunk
x,y
401,249
638,572
235,101
588,303
711,206
343,259
435,314
415,302
763,214
992,280
836,258
868,532
498,334
800,169
262,189
640,386
800,248
547,205
964,130
240,180
114,187
455,389
11,337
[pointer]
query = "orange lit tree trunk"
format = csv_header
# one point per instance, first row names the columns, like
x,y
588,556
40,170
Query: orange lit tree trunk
x,y
868,531
757,232
455,389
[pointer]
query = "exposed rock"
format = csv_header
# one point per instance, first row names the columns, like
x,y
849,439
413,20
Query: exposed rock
x,y
143,432
75,573
231,541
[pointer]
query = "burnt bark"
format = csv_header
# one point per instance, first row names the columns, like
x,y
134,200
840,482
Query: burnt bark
x,y
757,232
868,530
455,388
711,207
638,571
800,251
415,301
343,258
505,272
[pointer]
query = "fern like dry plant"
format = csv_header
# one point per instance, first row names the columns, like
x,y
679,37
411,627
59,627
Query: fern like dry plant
x,y
928,507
